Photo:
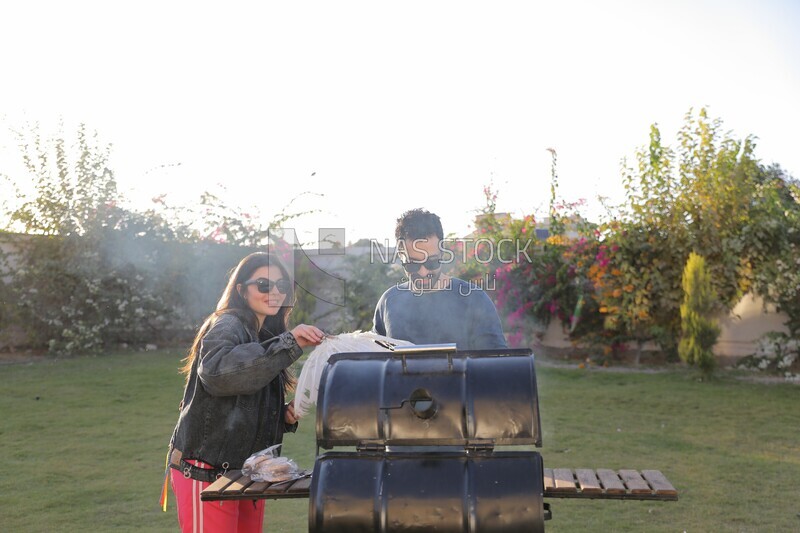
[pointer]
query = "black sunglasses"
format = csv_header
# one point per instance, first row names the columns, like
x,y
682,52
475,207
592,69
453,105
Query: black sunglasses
x,y
265,285
432,263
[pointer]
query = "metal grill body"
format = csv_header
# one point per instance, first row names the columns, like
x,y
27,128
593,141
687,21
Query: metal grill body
x,y
426,427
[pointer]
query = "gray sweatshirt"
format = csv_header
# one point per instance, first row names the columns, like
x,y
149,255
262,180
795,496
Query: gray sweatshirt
x,y
461,313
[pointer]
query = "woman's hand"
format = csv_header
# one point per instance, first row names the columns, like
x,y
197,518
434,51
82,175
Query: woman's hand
x,y
306,335
288,415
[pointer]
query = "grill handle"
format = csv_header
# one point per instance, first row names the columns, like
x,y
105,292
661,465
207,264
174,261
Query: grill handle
x,y
426,348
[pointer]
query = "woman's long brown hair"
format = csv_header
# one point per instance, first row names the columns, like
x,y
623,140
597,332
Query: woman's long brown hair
x,y
232,302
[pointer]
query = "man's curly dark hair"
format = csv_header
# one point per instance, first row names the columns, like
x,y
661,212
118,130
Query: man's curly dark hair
x,y
418,224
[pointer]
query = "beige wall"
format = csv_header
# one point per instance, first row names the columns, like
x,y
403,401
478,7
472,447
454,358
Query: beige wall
x,y
748,321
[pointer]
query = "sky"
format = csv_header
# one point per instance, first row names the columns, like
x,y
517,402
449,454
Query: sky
x,y
362,110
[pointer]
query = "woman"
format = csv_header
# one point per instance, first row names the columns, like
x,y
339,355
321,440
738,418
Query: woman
x,y
233,405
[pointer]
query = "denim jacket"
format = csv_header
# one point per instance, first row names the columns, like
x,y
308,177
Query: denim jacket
x,y
233,402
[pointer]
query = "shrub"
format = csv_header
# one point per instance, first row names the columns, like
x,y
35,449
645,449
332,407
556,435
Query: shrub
x,y
699,330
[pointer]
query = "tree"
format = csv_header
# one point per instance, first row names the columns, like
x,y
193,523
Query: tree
x,y
699,331
698,196
74,188
718,179
73,290
772,241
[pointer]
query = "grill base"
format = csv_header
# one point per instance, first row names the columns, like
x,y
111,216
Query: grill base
x,y
441,492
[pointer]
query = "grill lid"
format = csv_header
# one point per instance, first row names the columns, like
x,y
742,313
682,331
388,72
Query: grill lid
x,y
473,399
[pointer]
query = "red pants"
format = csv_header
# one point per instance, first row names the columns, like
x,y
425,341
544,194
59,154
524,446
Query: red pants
x,y
196,516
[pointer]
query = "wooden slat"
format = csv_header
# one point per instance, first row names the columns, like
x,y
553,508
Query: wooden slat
x,y
238,486
280,487
549,481
297,486
659,482
610,481
257,488
635,482
587,479
565,481
217,487
302,485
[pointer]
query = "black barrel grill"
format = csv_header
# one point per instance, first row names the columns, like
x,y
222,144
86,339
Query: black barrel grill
x,y
428,428
416,441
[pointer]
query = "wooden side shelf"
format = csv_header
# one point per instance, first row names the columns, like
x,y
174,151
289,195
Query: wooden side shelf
x,y
235,486
607,484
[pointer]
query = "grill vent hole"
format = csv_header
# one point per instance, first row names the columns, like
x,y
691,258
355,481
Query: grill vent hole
x,y
422,403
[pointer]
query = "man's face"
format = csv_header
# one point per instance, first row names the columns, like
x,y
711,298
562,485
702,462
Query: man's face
x,y
421,262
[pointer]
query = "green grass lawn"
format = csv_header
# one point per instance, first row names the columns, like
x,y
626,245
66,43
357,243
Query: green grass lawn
x,y
84,442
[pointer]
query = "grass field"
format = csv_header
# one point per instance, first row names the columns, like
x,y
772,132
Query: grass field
x,y
84,442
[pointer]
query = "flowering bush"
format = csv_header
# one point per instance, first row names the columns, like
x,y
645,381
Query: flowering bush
x,y
777,353
73,296
542,278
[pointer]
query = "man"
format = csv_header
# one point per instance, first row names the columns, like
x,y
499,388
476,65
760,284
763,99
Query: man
x,y
431,307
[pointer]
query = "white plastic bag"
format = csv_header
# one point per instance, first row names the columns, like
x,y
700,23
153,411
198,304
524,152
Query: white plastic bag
x,y
266,465
308,382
